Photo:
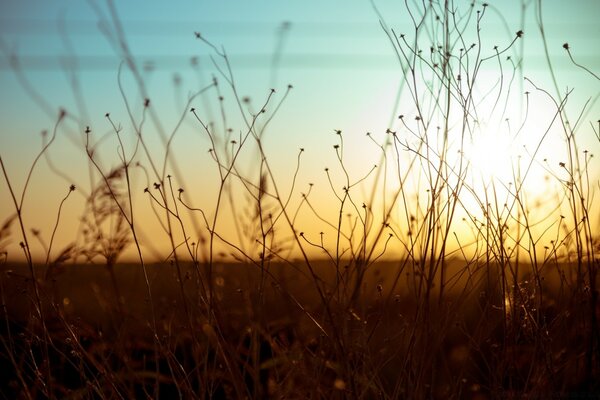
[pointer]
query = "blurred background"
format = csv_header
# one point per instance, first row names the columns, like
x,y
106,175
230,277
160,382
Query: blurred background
x,y
66,55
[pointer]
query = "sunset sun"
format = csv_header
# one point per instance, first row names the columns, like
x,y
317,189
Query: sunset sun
x,y
492,156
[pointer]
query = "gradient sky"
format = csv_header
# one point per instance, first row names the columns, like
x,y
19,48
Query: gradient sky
x,y
335,54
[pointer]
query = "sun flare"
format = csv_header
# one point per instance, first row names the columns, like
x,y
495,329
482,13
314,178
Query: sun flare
x,y
491,156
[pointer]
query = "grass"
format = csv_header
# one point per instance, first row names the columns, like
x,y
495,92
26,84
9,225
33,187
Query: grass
x,y
426,278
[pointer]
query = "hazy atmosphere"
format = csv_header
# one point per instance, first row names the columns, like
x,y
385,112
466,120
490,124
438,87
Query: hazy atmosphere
x,y
345,76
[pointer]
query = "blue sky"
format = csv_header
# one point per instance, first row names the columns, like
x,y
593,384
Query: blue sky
x,y
334,53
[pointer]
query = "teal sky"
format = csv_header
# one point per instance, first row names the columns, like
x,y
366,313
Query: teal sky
x,y
334,53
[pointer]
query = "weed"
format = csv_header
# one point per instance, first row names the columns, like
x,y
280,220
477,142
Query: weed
x,y
429,274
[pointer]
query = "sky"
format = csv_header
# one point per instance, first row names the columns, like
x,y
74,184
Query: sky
x,y
343,69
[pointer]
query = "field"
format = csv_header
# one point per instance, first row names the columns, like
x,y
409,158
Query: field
x,y
451,254
473,344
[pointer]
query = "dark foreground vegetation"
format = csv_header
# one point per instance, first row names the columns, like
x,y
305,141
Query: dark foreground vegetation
x,y
263,341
